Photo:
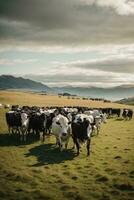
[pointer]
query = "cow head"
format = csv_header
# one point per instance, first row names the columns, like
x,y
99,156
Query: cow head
x,y
103,118
64,125
24,119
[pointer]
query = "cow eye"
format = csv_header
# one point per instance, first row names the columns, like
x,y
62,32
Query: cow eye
x,y
69,122
58,123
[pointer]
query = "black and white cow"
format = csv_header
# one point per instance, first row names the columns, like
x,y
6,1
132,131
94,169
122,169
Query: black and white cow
x,y
81,131
61,129
127,114
18,122
97,119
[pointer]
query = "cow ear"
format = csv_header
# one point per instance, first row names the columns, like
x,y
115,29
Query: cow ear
x,y
58,123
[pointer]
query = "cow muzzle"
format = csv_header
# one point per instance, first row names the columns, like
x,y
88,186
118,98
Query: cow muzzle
x,y
64,134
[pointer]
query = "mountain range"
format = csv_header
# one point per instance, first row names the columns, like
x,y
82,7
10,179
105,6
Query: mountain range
x,y
114,93
128,101
11,82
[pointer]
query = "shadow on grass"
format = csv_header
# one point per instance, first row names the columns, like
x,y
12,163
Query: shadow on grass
x,y
49,154
119,119
14,140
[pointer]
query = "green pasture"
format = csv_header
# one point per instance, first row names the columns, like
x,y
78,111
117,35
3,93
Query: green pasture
x,y
40,171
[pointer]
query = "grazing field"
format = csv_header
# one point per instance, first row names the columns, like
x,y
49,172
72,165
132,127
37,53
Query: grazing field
x,y
26,98
40,171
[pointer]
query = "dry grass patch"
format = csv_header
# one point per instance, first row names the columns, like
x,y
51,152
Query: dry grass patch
x,y
28,98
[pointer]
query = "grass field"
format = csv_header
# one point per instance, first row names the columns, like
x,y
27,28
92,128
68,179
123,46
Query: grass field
x,y
40,171
26,98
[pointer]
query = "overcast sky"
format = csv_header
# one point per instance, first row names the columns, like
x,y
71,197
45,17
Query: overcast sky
x,y
68,42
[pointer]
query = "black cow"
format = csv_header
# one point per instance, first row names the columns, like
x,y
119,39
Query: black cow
x,y
111,111
13,120
37,123
49,120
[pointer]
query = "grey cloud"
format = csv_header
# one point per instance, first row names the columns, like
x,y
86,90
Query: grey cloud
x,y
50,14
58,22
114,65
72,78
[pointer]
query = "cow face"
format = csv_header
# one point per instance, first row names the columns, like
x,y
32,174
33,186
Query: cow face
x,y
64,124
24,119
104,118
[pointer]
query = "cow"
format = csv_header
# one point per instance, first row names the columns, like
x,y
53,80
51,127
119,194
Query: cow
x,y
17,123
24,125
37,123
116,111
61,129
49,120
50,114
127,114
15,108
111,112
130,114
13,120
81,131
97,118
7,106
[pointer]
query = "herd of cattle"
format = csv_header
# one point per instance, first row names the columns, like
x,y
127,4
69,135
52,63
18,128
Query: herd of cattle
x,y
80,123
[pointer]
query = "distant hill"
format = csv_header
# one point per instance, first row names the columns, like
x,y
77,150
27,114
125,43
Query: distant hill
x,y
115,93
128,101
11,82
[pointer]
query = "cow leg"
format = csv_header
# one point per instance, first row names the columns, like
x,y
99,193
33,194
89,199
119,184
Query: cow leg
x,y
21,136
94,130
88,146
66,144
41,136
9,129
16,130
44,131
50,131
77,146
12,130
57,142
73,143
29,131
37,132
61,146
33,131
25,136
98,130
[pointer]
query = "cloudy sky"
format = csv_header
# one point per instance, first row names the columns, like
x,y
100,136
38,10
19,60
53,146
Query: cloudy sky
x,y
68,42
